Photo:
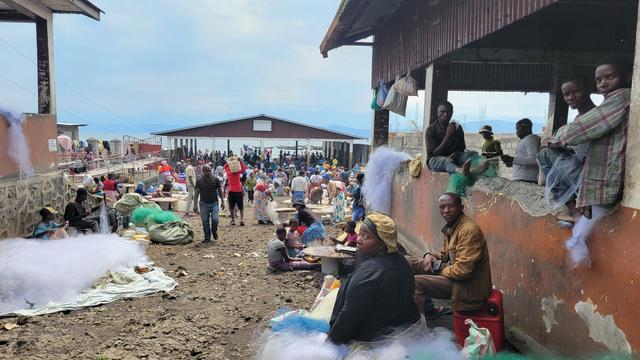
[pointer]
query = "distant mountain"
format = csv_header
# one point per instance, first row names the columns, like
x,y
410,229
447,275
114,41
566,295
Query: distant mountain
x,y
365,133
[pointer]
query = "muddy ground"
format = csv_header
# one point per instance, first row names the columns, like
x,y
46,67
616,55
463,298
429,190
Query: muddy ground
x,y
226,298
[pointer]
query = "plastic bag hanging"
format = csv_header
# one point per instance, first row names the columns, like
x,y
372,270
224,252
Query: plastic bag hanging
x,y
406,86
396,102
383,91
374,102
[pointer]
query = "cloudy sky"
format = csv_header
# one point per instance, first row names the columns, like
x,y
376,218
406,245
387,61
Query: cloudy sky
x,y
153,65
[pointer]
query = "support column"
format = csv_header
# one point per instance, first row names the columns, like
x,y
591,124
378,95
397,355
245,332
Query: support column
x,y
296,148
175,144
195,147
228,146
631,196
45,64
350,154
436,90
380,128
558,109
308,153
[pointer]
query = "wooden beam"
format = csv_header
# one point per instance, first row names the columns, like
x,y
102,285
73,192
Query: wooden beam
x,y
380,128
525,56
14,16
90,11
31,9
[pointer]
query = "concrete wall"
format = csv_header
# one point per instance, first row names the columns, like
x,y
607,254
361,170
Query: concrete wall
x,y
38,129
571,312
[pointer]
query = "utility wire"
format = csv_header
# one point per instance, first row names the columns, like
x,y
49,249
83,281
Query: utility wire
x,y
74,90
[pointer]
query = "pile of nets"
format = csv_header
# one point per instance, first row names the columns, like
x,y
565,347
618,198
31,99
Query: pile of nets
x,y
381,170
145,217
459,183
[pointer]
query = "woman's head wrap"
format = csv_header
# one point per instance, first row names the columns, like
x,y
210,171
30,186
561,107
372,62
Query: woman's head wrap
x,y
384,228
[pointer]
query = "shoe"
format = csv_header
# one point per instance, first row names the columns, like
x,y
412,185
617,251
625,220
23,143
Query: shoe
x,y
233,222
215,236
241,223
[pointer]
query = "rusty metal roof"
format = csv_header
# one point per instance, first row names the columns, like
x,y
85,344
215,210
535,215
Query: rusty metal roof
x,y
355,20
8,8
245,127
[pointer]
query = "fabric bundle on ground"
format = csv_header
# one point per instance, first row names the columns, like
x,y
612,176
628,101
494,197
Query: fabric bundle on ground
x,y
381,170
131,201
171,233
36,272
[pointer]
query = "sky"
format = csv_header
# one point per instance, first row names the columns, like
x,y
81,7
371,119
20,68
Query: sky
x,y
153,65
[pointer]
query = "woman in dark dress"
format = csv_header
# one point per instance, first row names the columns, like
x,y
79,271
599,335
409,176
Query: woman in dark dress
x,y
377,297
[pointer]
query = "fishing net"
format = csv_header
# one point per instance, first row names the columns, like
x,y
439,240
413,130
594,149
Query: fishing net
x,y
459,183
144,217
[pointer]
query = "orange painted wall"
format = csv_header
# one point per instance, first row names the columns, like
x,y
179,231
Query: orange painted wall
x,y
528,261
38,129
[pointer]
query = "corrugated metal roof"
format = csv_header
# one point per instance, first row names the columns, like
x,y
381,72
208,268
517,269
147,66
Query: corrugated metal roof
x,y
243,128
500,77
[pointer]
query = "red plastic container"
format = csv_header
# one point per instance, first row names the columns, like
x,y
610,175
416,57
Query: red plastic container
x,y
491,317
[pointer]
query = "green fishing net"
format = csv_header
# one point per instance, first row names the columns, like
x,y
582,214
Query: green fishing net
x,y
459,183
511,356
143,216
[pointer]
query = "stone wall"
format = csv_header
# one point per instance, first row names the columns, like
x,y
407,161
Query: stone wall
x,y
21,200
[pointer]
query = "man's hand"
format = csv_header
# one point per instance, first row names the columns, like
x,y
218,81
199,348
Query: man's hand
x,y
427,263
451,129
508,160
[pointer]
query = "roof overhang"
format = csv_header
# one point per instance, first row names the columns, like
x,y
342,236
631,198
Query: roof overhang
x,y
30,10
356,20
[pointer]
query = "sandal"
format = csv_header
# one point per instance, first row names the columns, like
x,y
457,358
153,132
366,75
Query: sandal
x,y
233,222
438,311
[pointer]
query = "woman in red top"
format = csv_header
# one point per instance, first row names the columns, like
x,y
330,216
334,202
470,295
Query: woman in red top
x,y
236,193
110,188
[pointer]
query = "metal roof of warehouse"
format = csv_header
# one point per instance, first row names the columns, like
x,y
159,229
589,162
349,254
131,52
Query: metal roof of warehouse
x,y
244,128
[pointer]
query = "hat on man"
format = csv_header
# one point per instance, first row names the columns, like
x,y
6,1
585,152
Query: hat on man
x,y
48,211
487,129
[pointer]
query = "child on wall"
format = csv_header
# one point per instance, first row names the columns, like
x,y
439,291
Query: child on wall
x,y
292,242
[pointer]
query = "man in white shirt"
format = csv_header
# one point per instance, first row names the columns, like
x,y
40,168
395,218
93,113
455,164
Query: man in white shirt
x,y
299,187
525,163
190,171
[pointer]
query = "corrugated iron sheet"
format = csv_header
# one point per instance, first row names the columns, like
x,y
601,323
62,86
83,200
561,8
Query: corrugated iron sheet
x,y
422,31
500,77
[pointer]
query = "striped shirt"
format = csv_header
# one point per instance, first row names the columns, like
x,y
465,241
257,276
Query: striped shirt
x,y
605,127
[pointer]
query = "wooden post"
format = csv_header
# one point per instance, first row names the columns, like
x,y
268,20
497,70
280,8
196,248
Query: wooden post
x,y
436,90
308,153
632,170
350,154
228,146
46,73
558,109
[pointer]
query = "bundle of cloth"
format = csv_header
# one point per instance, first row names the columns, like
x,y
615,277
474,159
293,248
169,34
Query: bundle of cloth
x,y
164,227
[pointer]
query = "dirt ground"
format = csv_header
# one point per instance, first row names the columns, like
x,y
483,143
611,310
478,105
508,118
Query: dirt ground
x,y
226,298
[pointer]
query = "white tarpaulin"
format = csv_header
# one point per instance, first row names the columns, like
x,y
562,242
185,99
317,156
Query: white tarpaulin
x,y
114,286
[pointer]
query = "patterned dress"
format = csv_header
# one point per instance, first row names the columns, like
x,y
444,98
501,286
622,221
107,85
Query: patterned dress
x,y
339,205
260,206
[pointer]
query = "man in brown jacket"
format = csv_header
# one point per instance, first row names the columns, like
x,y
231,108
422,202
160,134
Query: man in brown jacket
x,y
464,275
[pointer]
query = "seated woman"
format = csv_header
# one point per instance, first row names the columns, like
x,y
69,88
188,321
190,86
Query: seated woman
x,y
378,296
349,237
306,217
280,260
140,189
165,189
48,229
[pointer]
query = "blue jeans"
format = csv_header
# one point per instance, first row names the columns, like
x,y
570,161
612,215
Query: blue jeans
x,y
357,213
210,219
447,164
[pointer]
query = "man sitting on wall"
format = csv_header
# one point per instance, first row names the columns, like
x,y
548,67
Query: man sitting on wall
x,y
525,162
446,149
459,272
78,216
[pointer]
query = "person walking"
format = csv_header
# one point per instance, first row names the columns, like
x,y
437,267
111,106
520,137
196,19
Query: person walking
x,y
207,191
191,186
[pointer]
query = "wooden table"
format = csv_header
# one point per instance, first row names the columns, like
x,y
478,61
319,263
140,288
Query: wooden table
x,y
330,258
128,187
164,200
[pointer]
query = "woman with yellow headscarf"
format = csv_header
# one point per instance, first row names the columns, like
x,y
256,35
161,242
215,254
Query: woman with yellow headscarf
x,y
378,296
